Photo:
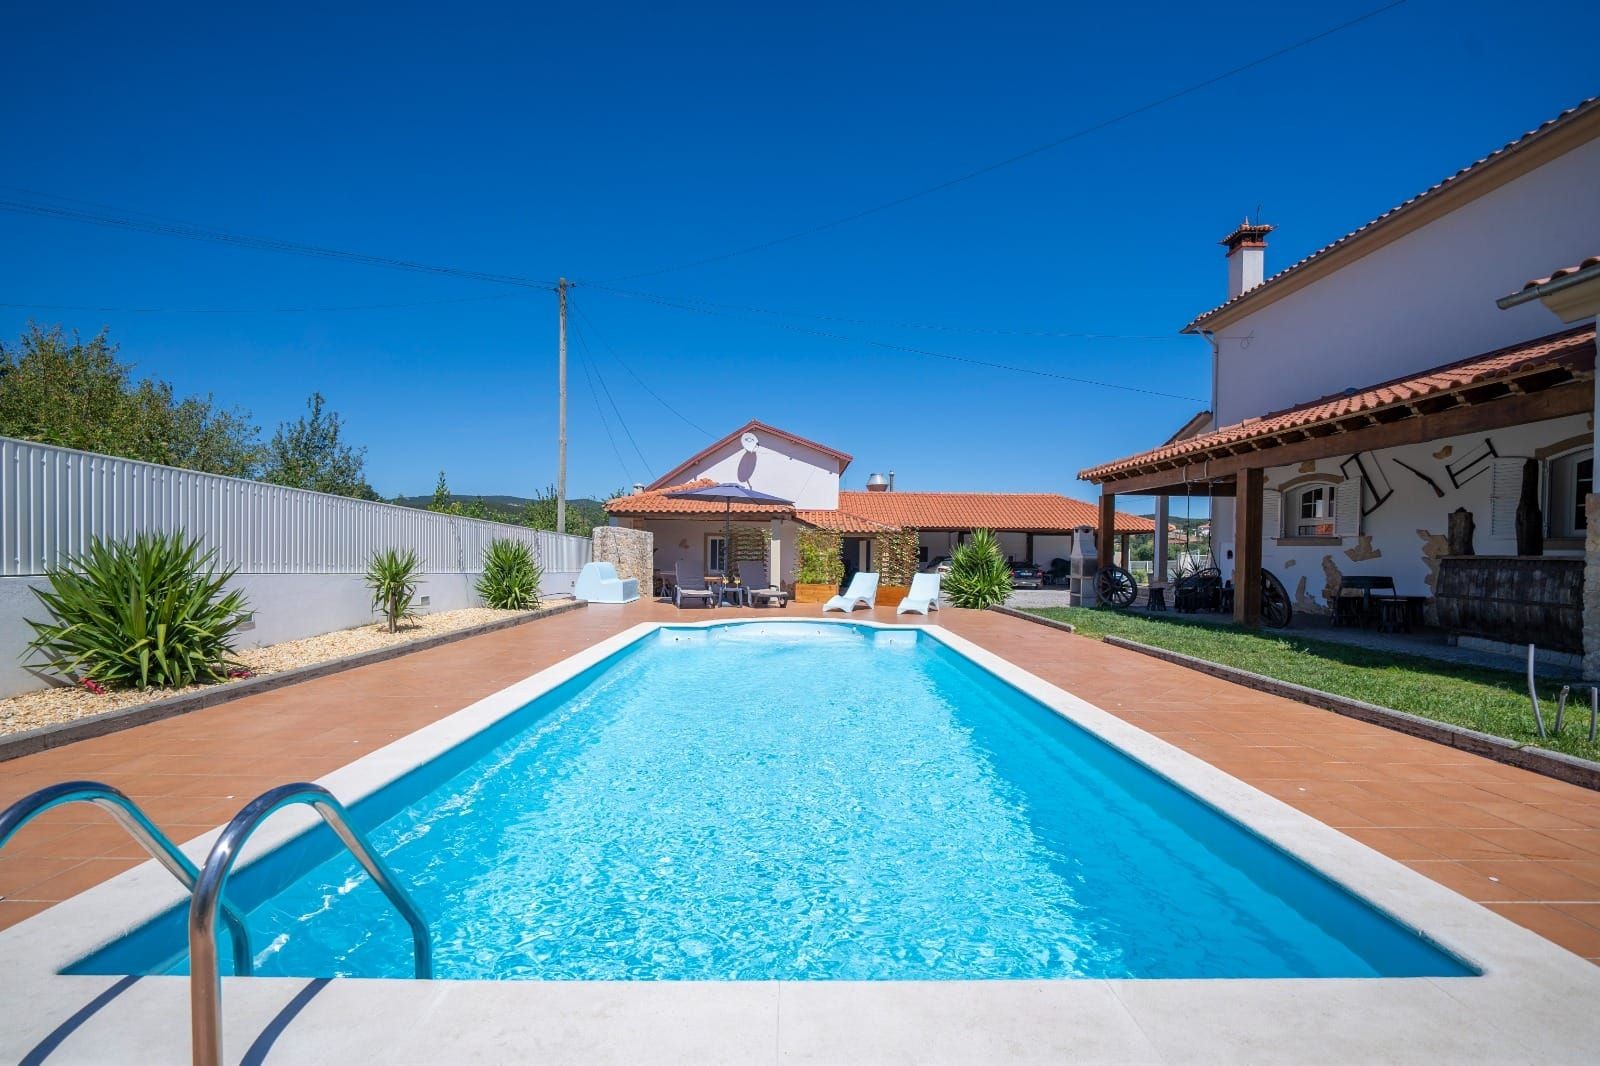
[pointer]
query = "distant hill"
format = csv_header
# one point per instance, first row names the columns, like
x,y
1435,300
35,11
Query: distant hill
x,y
498,502
514,508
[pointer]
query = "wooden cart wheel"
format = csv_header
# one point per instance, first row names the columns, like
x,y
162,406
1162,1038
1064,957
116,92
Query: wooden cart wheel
x,y
1116,586
1276,608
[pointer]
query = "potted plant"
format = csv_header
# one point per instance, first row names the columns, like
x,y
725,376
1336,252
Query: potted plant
x,y
819,569
897,563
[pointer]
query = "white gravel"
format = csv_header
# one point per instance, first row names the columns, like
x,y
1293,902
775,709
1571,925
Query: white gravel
x,y
52,706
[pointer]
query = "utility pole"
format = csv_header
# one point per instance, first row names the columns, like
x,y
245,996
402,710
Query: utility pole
x,y
561,459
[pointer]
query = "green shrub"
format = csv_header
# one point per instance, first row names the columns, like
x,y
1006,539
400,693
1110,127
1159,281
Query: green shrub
x,y
979,577
897,556
392,577
147,613
817,552
510,579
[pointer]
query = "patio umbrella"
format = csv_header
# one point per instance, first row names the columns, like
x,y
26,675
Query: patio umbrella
x,y
729,493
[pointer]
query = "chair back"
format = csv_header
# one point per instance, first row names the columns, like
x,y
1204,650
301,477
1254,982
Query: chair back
x,y
754,575
924,587
863,586
691,576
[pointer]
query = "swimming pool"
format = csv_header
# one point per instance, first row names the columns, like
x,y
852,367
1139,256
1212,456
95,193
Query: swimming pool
x,y
798,801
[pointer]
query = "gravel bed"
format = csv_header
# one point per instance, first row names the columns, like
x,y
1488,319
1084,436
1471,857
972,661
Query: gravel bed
x,y
53,706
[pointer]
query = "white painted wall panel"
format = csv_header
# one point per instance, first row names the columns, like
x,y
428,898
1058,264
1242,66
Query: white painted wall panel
x,y
299,555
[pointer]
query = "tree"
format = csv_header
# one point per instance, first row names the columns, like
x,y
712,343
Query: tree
x,y
441,495
309,454
540,513
63,391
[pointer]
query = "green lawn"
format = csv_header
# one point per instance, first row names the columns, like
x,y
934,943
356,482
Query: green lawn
x,y
1491,701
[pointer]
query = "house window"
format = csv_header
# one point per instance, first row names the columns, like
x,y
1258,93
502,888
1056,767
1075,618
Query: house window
x,y
1311,511
716,554
1571,479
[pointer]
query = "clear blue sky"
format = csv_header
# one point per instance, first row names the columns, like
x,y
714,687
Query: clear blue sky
x,y
600,143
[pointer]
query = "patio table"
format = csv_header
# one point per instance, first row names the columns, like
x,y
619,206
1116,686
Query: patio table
x,y
740,594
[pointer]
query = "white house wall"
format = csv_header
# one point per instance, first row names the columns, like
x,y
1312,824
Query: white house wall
x,y
1425,299
779,468
1403,535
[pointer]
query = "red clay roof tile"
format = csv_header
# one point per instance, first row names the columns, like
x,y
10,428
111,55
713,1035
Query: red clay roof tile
x,y
1573,349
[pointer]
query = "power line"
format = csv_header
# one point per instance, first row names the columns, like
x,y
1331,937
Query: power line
x,y
260,310
594,395
986,330
192,232
886,345
642,384
623,422
989,168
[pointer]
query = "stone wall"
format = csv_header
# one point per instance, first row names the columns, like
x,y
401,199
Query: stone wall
x,y
631,551
1591,591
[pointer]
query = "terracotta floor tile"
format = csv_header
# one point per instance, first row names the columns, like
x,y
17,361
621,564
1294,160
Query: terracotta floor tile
x,y
1405,796
1553,923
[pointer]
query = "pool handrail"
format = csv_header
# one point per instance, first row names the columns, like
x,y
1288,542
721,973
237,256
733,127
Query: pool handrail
x,y
205,981
130,817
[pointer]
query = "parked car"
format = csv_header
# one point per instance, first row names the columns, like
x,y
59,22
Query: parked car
x,y
1026,576
939,565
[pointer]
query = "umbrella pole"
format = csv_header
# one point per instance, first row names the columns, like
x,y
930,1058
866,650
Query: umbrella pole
x,y
727,546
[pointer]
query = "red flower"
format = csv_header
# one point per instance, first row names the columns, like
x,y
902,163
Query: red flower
x,y
240,672
94,686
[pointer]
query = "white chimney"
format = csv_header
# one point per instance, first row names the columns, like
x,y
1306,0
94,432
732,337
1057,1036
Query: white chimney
x,y
1247,256
638,488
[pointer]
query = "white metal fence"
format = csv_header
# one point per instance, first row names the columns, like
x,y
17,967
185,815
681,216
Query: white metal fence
x,y
53,501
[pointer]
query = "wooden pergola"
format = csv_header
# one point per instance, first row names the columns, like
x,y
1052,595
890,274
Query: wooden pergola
x,y
1550,377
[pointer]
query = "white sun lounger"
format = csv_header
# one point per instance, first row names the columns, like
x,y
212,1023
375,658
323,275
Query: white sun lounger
x,y
863,590
923,597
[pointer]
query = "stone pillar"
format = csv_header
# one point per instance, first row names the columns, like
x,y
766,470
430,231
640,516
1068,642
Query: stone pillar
x,y
631,551
1247,546
1161,541
1084,560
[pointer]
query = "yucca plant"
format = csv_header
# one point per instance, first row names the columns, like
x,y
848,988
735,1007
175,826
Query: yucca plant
x,y
510,579
151,612
392,577
979,577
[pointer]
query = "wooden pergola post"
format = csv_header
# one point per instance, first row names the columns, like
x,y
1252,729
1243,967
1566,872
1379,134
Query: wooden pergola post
x,y
1123,551
1108,528
1247,546
1160,577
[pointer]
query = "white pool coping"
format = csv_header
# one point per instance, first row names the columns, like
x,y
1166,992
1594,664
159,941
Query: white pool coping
x,y
1534,1000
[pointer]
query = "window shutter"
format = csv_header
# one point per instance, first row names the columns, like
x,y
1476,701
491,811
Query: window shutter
x,y
1347,508
1271,514
1505,490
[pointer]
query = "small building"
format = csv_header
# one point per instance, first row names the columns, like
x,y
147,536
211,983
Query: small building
x,y
1032,527
1407,382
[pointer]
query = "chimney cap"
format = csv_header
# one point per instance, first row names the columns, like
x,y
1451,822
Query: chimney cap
x,y
1247,235
877,483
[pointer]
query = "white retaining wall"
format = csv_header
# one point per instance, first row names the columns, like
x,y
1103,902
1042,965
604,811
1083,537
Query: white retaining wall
x,y
299,555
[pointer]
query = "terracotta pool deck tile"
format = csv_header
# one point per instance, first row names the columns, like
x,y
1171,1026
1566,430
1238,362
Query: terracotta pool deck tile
x,y
1537,879
1552,923
1395,843
1403,795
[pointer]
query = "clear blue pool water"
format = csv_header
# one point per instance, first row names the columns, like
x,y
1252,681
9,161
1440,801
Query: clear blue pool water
x,y
797,801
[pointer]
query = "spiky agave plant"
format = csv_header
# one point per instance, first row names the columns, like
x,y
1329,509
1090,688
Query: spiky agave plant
x,y
510,579
151,612
979,577
392,577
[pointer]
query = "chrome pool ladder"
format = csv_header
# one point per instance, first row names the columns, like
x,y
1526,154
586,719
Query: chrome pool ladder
x,y
130,817
205,980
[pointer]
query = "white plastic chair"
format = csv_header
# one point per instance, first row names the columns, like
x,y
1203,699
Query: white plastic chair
x,y
599,583
863,590
923,597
